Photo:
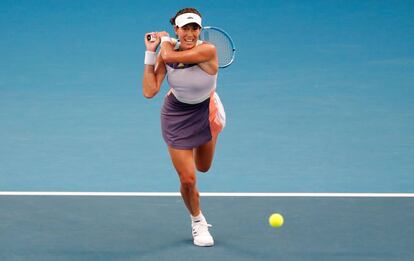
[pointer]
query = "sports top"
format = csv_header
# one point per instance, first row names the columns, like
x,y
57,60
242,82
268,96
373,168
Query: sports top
x,y
188,82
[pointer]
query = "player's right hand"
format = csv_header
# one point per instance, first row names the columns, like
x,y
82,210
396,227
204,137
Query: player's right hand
x,y
152,46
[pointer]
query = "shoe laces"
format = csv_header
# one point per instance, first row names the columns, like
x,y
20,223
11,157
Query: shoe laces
x,y
200,228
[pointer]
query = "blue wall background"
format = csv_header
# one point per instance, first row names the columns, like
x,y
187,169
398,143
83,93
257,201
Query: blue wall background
x,y
319,99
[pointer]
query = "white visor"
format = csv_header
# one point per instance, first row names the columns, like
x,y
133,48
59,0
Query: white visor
x,y
187,18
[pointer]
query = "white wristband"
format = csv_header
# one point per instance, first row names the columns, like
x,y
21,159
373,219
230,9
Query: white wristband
x,y
150,58
165,39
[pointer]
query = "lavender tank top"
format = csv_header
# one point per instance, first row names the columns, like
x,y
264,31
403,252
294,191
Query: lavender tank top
x,y
189,83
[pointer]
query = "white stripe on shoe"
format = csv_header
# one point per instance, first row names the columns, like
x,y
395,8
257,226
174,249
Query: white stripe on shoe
x,y
201,235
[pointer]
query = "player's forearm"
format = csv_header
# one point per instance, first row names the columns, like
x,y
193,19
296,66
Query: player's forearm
x,y
167,52
149,82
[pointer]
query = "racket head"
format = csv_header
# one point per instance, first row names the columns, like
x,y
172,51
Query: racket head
x,y
224,44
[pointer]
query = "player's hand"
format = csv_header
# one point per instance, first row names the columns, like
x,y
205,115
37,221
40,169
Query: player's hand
x,y
172,40
161,34
152,46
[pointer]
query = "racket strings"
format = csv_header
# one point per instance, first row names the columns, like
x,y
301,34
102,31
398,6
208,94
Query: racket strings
x,y
222,43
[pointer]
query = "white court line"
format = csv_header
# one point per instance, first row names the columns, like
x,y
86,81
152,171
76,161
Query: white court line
x,y
205,194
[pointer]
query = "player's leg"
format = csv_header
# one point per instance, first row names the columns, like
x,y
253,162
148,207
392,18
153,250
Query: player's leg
x,y
183,162
203,155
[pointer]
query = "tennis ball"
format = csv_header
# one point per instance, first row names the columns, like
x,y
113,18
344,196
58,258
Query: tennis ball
x,y
276,220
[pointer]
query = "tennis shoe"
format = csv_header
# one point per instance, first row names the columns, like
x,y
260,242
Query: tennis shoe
x,y
201,235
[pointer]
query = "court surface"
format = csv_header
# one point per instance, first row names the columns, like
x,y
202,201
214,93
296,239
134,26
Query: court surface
x,y
157,228
320,100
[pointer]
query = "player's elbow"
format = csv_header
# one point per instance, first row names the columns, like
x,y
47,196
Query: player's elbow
x,y
148,93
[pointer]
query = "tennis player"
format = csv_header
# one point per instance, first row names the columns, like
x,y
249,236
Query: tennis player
x,y
192,114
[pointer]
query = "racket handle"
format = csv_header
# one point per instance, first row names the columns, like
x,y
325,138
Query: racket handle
x,y
151,38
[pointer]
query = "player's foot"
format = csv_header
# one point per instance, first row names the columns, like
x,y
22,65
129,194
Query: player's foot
x,y
200,233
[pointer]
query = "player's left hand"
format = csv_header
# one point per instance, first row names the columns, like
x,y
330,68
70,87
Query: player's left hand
x,y
161,34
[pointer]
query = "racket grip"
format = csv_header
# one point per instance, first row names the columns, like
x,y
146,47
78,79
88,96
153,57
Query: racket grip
x,y
151,38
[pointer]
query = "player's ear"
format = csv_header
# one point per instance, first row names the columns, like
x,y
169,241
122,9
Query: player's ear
x,y
175,29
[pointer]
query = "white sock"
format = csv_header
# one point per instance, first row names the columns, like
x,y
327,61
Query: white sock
x,y
198,218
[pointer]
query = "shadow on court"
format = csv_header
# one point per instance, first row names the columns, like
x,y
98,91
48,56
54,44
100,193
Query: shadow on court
x,y
158,228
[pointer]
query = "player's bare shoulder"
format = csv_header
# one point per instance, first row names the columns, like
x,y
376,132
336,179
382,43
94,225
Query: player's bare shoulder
x,y
208,49
208,46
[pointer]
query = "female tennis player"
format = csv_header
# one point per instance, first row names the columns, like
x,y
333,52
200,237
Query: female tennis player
x,y
192,114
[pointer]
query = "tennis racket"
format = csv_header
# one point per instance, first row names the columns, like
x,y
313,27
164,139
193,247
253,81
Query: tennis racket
x,y
225,47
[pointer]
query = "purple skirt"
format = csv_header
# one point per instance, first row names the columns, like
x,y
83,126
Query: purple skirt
x,y
185,126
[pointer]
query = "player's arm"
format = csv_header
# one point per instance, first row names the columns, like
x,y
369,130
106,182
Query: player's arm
x,y
154,72
199,54
153,78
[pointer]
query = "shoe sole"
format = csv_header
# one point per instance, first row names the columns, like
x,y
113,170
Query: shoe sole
x,y
203,245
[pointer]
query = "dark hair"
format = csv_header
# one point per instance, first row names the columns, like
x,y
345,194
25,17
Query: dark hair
x,y
183,11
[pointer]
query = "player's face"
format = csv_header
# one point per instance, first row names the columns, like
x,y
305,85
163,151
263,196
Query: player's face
x,y
188,35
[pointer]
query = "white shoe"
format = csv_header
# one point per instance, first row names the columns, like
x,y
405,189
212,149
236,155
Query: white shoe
x,y
201,235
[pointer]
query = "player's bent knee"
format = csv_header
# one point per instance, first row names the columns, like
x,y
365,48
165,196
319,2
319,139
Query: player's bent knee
x,y
203,168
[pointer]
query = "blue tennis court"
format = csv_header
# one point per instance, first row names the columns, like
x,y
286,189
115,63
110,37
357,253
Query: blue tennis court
x,y
136,228
319,100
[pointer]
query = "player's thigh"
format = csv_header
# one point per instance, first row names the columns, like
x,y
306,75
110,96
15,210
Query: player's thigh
x,y
183,161
203,155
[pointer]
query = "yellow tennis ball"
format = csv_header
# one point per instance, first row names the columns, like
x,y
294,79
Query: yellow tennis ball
x,y
276,220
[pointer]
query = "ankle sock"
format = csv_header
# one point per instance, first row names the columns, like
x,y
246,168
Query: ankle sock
x,y
198,218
